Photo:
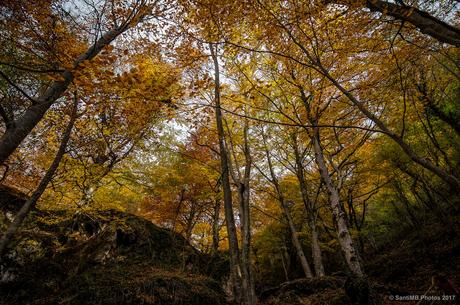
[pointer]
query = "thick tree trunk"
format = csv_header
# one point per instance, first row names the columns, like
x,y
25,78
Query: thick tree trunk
x,y
31,202
311,211
22,126
235,268
295,239
426,23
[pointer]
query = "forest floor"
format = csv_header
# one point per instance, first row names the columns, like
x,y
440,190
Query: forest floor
x,y
401,271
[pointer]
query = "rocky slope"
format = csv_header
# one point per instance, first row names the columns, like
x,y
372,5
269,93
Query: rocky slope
x,y
105,258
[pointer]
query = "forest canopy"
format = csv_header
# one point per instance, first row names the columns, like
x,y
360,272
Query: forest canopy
x,y
296,138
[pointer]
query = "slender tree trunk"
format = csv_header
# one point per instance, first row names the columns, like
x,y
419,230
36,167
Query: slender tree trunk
x,y
31,202
343,234
295,239
311,211
244,192
243,197
315,247
215,226
286,274
287,258
190,223
242,183
228,205
451,180
407,204
22,126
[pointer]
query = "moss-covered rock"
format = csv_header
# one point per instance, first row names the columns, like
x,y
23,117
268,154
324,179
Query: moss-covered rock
x,y
106,257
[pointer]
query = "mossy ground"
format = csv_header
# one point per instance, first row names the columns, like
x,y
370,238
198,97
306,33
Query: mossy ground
x,y
107,258
404,265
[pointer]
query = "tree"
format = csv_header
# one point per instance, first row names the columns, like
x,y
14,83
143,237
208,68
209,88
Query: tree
x,y
425,22
235,267
310,208
20,127
287,214
313,44
31,202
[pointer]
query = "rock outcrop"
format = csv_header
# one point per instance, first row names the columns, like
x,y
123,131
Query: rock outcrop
x,y
105,258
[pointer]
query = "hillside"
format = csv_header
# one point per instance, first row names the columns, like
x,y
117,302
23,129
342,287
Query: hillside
x,y
107,257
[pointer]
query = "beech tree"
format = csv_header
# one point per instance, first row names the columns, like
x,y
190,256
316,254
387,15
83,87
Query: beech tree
x,y
424,21
32,201
295,240
114,16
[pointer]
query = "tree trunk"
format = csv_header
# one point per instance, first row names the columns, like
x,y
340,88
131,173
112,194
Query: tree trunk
x,y
311,211
287,214
426,23
315,247
190,222
22,126
343,234
295,238
235,269
286,274
215,227
451,180
31,202
244,191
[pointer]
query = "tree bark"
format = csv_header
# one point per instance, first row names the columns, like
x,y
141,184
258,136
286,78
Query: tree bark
x,y
243,188
244,191
426,23
343,234
215,226
23,125
235,268
295,239
31,202
286,274
311,211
